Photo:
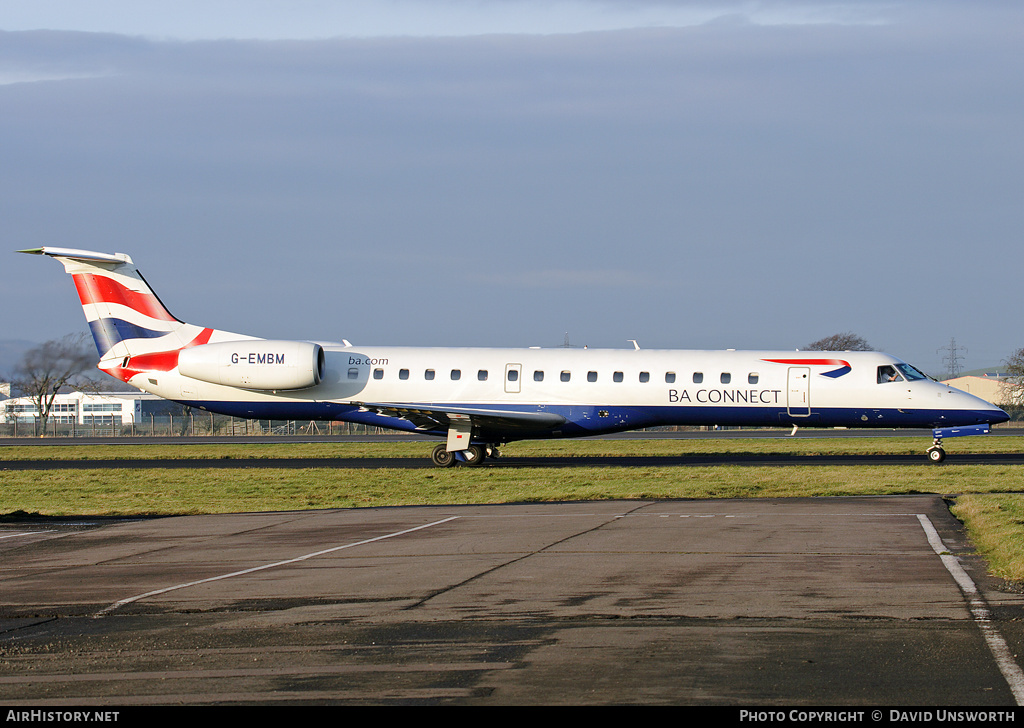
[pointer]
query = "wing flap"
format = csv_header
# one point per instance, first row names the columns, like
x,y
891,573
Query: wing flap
x,y
431,417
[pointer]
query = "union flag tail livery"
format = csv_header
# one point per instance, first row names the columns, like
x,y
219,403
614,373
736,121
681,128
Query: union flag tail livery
x,y
133,331
476,399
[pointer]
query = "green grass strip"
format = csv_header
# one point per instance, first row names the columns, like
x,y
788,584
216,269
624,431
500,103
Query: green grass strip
x,y
801,445
995,523
193,491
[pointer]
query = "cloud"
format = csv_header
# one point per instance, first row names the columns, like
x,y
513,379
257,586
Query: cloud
x,y
319,19
737,185
9,77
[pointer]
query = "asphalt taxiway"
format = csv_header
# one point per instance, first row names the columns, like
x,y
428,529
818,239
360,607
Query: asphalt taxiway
x,y
827,601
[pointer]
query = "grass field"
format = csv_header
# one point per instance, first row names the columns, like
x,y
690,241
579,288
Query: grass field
x,y
803,445
988,498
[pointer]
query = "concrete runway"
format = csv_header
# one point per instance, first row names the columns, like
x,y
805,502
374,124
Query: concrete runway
x,y
802,602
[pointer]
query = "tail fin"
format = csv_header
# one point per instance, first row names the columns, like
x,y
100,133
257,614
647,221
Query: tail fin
x,y
133,330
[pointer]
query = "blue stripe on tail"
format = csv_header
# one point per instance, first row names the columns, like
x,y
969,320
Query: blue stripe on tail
x,y
108,331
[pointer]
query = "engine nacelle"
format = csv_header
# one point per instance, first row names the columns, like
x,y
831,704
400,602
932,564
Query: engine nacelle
x,y
255,364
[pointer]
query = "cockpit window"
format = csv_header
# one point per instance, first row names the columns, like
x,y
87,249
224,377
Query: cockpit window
x,y
910,372
888,373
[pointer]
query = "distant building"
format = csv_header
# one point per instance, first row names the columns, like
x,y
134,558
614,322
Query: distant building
x,y
990,387
90,408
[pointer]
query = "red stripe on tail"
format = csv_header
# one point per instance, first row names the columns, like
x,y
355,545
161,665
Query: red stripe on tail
x,y
100,289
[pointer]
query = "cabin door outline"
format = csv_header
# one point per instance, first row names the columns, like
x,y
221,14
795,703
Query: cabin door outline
x,y
798,392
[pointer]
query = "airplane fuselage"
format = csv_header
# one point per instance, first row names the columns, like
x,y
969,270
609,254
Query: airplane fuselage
x,y
598,390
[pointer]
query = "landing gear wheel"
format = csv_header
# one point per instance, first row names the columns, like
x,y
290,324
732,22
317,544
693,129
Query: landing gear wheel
x,y
474,456
442,457
936,454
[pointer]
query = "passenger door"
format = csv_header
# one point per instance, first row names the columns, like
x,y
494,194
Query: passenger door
x,y
798,400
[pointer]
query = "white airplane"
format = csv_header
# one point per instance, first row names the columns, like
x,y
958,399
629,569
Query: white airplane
x,y
477,398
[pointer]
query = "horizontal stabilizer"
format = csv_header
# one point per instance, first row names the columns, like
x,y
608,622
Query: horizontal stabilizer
x,y
87,255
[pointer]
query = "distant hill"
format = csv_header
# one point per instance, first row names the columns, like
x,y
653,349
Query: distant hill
x,y
989,371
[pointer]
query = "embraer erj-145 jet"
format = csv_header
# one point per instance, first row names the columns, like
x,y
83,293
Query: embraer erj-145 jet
x,y
477,398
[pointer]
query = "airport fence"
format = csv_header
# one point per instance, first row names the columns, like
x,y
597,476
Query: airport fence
x,y
190,425
214,425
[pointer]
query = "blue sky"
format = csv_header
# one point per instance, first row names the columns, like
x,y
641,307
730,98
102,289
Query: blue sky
x,y
499,173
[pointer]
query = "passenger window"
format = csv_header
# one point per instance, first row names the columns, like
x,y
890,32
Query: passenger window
x,y
378,373
403,373
725,378
698,377
753,377
645,376
513,375
565,376
456,374
482,375
428,374
353,373
617,377
591,376
670,377
538,376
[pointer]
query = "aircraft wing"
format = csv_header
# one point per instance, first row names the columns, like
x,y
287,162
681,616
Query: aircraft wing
x,y
431,417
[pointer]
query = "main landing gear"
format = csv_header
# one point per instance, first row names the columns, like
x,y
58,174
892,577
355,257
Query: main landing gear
x,y
936,454
472,456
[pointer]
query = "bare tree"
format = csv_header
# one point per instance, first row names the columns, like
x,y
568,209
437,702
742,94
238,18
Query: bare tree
x,y
46,368
1014,391
847,341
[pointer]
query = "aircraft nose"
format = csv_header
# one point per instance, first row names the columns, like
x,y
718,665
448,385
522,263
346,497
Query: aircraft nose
x,y
983,410
988,412
997,415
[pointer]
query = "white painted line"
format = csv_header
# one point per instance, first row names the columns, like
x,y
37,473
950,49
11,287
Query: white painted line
x,y
243,572
25,533
979,610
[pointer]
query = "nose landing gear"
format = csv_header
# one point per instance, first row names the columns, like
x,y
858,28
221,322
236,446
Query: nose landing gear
x,y
936,454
